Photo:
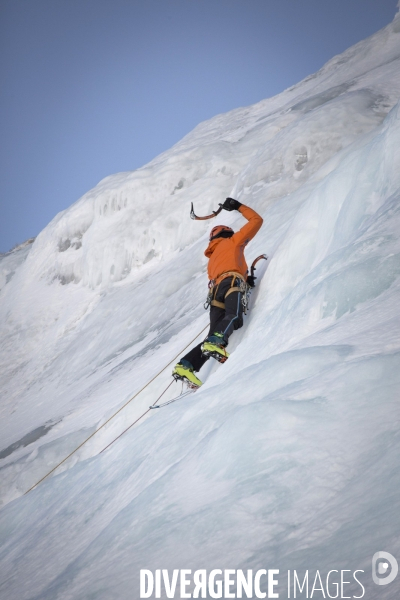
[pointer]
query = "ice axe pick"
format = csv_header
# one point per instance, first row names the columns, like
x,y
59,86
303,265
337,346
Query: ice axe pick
x,y
196,218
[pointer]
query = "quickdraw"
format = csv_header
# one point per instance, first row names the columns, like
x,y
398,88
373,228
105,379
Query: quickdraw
x,y
246,298
210,294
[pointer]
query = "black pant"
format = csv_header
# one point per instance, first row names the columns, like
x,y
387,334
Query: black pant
x,y
223,321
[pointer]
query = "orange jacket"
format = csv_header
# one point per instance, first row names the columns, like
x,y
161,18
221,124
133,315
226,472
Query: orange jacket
x,y
227,254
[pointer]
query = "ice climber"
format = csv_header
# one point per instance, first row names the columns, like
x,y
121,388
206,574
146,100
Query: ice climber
x,y
228,275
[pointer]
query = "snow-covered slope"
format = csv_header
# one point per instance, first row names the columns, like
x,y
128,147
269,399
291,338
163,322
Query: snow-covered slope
x,y
288,455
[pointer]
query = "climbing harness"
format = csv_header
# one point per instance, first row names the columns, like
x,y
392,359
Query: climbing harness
x,y
243,288
213,286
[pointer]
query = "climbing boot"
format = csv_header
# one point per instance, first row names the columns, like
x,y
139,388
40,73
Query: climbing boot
x,y
217,338
215,346
185,373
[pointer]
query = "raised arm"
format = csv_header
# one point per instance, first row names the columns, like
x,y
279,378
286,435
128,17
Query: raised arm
x,y
248,231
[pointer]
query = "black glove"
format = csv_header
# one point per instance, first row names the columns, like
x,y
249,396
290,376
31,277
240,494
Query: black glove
x,y
231,204
251,281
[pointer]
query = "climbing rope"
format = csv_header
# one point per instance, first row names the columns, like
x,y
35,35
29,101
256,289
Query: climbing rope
x,y
138,419
179,397
118,411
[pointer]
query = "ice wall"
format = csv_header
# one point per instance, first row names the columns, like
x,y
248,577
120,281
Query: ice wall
x,y
288,455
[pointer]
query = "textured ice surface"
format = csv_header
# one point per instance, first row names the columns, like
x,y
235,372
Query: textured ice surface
x,y
10,261
288,456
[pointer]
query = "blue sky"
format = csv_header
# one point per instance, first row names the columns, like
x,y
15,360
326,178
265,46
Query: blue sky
x,y
93,87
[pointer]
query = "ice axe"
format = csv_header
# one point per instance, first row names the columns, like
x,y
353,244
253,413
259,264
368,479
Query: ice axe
x,y
251,282
196,218
255,261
